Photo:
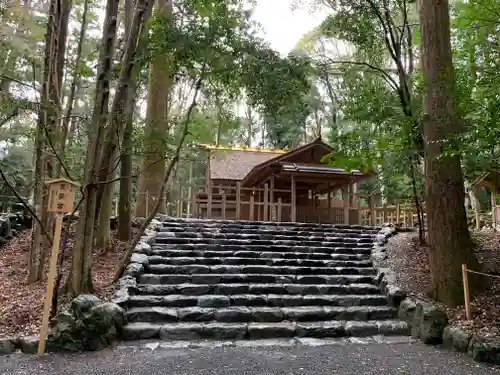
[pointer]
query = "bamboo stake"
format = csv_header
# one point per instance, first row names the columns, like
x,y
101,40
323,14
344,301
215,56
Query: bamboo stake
x,y
466,292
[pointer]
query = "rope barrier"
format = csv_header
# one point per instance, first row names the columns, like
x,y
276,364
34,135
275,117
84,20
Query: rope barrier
x,y
482,273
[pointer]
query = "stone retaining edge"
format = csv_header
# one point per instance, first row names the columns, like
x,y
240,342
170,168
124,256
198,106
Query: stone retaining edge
x,y
427,320
127,283
138,262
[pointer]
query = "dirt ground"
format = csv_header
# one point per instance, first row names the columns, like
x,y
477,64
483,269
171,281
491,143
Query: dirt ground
x,y
409,260
21,305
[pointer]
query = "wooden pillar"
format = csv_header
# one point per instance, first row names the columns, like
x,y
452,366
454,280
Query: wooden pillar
x,y
279,209
345,196
330,213
238,200
266,202
294,200
223,209
193,211
180,204
209,203
373,218
252,201
189,201
271,200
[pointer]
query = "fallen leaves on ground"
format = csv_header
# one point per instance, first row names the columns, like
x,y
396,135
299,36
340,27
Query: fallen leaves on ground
x,y
21,305
409,261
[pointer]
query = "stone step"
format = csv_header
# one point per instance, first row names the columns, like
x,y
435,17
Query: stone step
x,y
272,248
331,242
214,223
265,289
265,231
257,300
193,269
279,262
258,314
287,236
213,278
240,331
167,253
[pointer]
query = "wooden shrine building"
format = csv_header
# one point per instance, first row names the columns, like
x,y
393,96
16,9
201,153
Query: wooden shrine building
x,y
491,181
276,185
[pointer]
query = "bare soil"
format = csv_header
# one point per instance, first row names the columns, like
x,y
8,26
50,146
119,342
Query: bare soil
x,y
21,304
409,261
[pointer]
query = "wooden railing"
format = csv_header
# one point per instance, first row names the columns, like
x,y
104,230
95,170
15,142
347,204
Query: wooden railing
x,y
239,203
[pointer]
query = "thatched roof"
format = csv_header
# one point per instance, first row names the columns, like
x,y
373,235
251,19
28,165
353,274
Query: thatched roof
x,y
226,164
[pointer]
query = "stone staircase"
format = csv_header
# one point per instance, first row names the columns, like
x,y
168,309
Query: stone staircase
x,y
235,280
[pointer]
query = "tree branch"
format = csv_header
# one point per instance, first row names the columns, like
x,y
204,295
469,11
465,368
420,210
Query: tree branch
x,y
391,81
25,205
130,249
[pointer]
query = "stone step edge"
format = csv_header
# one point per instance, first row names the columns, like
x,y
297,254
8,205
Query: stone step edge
x,y
192,269
151,345
272,260
262,242
241,331
191,230
227,299
259,235
353,256
219,286
284,277
167,220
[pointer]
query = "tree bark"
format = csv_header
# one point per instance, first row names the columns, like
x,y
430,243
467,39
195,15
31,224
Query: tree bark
x,y
73,88
157,127
55,47
80,280
448,233
125,194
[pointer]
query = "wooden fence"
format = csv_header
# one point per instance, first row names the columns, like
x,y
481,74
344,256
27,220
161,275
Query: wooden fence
x,y
238,203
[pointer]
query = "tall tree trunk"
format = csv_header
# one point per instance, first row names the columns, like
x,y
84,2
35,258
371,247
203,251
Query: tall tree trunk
x,y
449,240
157,127
103,234
80,280
55,46
72,92
125,194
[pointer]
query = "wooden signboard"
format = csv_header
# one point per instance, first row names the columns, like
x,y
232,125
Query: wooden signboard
x,y
61,200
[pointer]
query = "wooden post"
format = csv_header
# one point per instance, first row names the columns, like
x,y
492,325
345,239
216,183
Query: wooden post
x,y
252,201
147,204
209,203
266,202
193,205
294,200
465,278
61,199
330,213
190,199
345,195
50,284
398,214
179,207
360,212
384,213
238,200
223,205
280,207
493,210
271,200
373,214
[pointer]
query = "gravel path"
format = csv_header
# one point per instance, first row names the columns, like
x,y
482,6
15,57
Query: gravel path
x,y
380,359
